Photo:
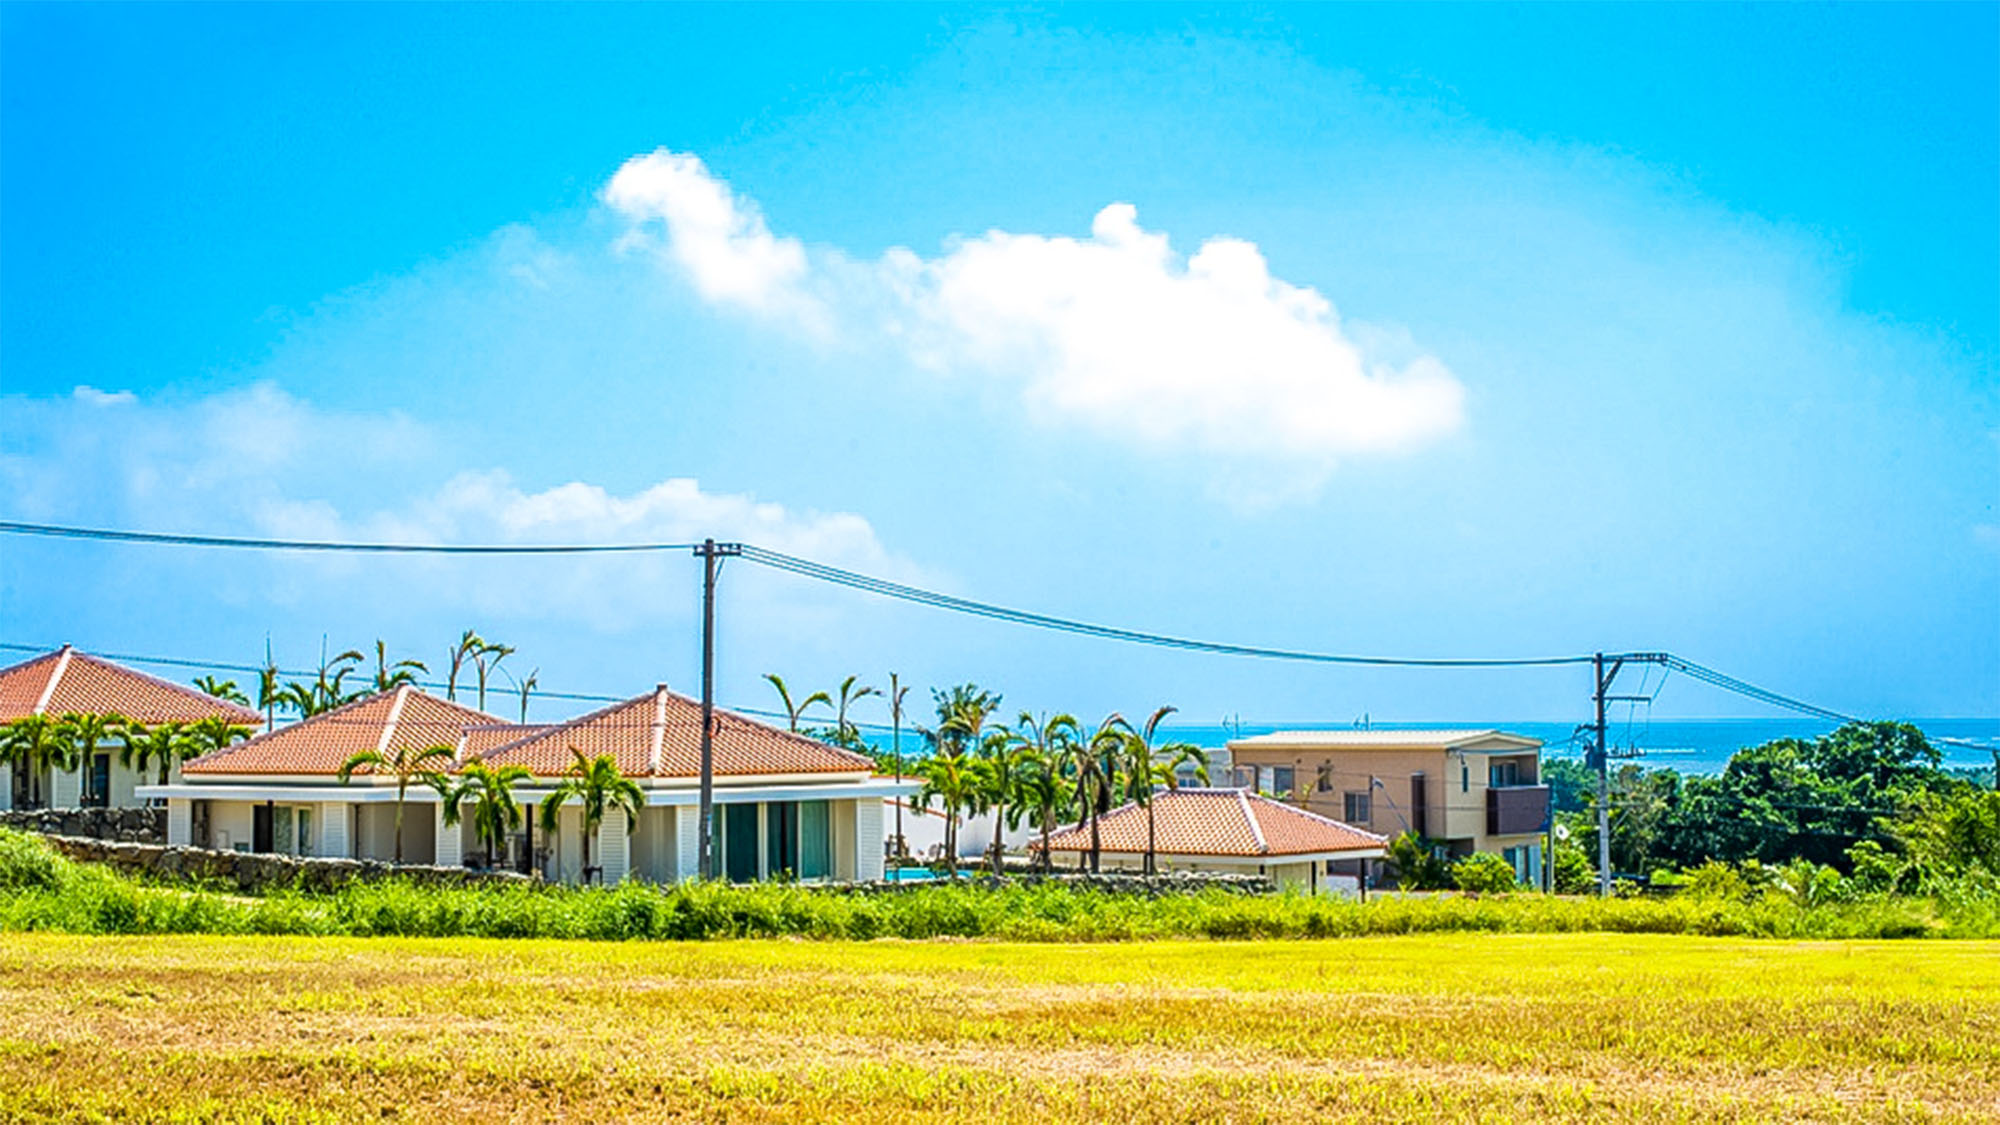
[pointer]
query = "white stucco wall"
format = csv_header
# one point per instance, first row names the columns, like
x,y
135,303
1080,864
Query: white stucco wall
x,y
867,839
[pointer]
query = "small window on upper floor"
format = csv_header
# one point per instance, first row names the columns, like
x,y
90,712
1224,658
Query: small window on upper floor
x,y
1501,775
1281,781
1464,778
1326,777
1354,807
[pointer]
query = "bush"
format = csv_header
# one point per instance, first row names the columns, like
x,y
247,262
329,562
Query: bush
x,y
1418,863
27,862
1574,874
1484,873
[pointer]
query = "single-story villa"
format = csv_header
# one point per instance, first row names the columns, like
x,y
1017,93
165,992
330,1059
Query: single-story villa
x,y
785,804
69,682
1226,830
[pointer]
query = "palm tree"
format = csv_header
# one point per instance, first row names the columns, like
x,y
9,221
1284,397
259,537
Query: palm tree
x,y
955,782
962,713
495,812
1042,746
482,665
332,674
597,783
794,713
225,690
1147,767
34,743
526,688
162,744
1045,790
1001,777
389,677
407,764
844,732
1097,760
214,733
269,696
897,691
86,732
458,654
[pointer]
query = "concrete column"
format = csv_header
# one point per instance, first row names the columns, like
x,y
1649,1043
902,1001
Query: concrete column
x,y
65,789
180,822
336,837
687,837
450,840
614,847
868,839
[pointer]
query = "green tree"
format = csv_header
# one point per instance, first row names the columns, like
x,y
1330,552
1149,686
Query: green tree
x,y
389,677
962,713
213,732
32,745
898,691
225,690
487,661
1097,777
1000,775
495,812
1147,767
86,732
456,657
408,765
599,787
1484,873
846,733
1044,787
161,745
526,688
957,783
795,712
1418,862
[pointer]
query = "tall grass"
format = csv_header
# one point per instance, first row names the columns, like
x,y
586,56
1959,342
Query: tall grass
x,y
42,890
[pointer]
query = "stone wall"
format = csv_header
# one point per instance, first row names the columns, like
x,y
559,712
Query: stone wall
x,y
132,826
251,873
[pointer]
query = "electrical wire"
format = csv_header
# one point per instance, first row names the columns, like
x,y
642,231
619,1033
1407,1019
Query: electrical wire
x,y
54,531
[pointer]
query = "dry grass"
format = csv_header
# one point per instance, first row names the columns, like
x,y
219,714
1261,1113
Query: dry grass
x,y
1492,1027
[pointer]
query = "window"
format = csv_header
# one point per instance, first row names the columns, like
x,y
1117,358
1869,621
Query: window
x,y
97,790
1326,777
1501,775
1281,781
739,842
1355,807
1464,778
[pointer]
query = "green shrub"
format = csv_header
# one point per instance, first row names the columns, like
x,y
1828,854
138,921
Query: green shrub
x,y
28,861
1484,873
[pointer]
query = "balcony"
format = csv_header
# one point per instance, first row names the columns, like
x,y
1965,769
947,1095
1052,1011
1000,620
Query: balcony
x,y
1516,810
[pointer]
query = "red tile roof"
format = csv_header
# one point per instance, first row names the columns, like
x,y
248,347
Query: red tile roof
x,y
1218,822
403,719
659,735
66,681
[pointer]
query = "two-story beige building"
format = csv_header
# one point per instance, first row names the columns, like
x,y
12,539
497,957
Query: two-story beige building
x,y
1469,790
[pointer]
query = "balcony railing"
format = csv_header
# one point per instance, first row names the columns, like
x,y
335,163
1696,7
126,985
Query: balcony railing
x,y
1516,810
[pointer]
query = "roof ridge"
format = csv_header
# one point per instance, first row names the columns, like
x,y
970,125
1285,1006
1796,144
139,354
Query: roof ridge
x,y
395,716
566,724
63,657
162,681
659,730
1256,829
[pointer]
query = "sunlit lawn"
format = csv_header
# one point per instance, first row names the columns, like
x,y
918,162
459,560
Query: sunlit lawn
x,y
1490,1027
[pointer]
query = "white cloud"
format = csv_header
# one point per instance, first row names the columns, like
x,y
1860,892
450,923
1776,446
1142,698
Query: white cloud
x,y
93,397
261,462
1114,332
722,243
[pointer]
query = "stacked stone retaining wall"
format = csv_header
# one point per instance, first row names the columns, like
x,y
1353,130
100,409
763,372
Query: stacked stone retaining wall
x,y
251,872
132,826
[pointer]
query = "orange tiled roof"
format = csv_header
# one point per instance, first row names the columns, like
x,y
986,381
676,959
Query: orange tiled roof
x,y
659,735
1220,822
403,719
66,680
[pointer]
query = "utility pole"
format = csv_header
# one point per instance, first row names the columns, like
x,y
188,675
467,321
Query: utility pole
x,y
711,554
896,693
1601,759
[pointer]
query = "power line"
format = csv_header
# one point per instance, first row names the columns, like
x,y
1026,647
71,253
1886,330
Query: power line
x,y
779,561
882,587
54,531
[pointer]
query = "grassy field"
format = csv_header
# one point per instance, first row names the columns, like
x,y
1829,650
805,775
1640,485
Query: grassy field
x,y
1452,1027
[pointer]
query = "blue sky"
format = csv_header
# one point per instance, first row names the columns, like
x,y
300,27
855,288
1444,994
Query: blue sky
x,y
1421,331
